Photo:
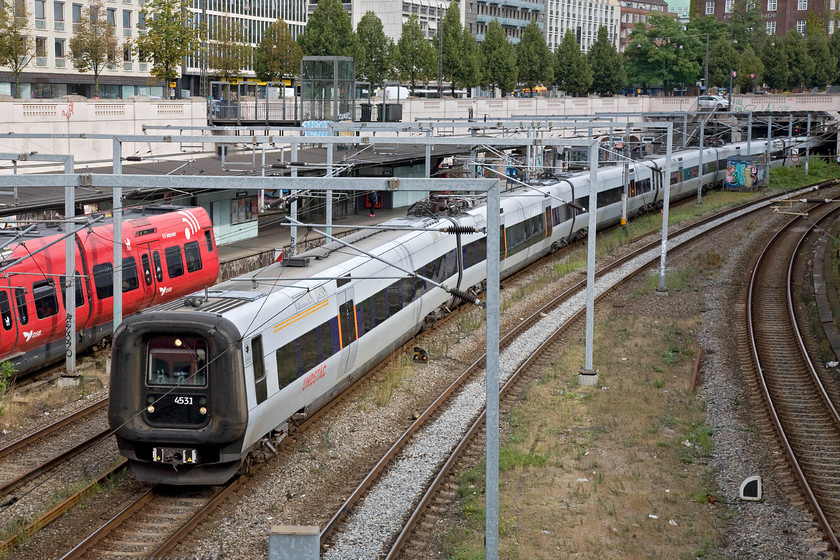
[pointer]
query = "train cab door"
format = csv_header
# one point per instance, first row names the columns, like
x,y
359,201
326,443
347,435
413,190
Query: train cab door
x,y
149,271
347,327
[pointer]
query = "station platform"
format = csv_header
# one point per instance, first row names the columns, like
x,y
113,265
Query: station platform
x,y
272,234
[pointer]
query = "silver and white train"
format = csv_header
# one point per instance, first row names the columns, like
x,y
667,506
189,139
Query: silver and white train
x,y
204,385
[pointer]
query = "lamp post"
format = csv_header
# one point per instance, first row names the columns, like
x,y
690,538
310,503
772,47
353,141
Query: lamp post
x,y
706,65
729,93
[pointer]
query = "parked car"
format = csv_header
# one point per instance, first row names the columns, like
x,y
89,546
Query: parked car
x,y
712,102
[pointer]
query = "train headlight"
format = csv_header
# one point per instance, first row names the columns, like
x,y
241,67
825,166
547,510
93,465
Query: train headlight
x,y
203,410
150,409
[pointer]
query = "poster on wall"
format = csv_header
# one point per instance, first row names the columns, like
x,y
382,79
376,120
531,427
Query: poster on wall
x,y
243,210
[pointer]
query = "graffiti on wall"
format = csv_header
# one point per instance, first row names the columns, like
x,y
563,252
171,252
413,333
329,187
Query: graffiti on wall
x,y
742,175
749,104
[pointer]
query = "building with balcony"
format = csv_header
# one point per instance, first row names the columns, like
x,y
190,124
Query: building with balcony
x,y
583,18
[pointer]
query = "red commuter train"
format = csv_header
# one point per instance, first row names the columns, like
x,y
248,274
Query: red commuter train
x,y
164,256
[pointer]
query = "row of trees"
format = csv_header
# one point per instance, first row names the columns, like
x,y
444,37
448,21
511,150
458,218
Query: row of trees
x,y
663,53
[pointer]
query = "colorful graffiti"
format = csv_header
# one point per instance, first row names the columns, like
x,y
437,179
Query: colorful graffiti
x,y
742,175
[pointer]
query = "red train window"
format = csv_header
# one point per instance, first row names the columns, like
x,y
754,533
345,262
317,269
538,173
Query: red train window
x,y
174,262
5,310
129,278
20,299
80,294
103,280
193,254
209,239
46,304
158,268
147,270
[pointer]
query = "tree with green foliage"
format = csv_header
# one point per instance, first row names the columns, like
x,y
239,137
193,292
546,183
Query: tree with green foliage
x,y
723,58
278,55
834,47
469,71
94,44
572,72
499,57
329,32
750,70
17,45
746,24
800,65
825,63
775,65
534,58
376,64
453,44
608,74
227,52
171,34
416,58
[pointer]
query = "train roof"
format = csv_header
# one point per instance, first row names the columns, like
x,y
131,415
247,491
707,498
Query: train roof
x,y
303,269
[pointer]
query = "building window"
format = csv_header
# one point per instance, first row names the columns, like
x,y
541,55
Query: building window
x,y
59,48
40,9
771,27
710,7
771,5
126,19
729,6
831,4
58,11
141,20
77,13
112,17
801,26
127,54
831,27
802,5
40,46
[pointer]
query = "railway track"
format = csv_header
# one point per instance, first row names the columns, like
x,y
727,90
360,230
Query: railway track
x,y
342,522
153,523
795,392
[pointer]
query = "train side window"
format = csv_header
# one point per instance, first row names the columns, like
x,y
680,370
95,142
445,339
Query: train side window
x,y
286,364
380,307
80,292
103,280
260,385
309,350
329,338
407,290
174,261
209,239
368,314
46,303
193,254
348,323
147,269
5,310
20,300
129,278
394,298
158,268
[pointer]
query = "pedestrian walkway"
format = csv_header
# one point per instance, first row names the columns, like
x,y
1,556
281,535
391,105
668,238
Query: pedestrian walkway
x,y
273,235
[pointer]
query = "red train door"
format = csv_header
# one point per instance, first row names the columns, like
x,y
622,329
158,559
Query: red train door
x,y
149,272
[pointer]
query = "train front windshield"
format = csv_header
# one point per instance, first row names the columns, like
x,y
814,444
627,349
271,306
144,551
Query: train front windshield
x,y
177,360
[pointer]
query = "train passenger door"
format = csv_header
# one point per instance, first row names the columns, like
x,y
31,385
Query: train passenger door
x,y
347,329
149,271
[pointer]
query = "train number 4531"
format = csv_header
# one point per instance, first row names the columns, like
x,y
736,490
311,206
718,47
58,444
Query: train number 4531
x,y
183,400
